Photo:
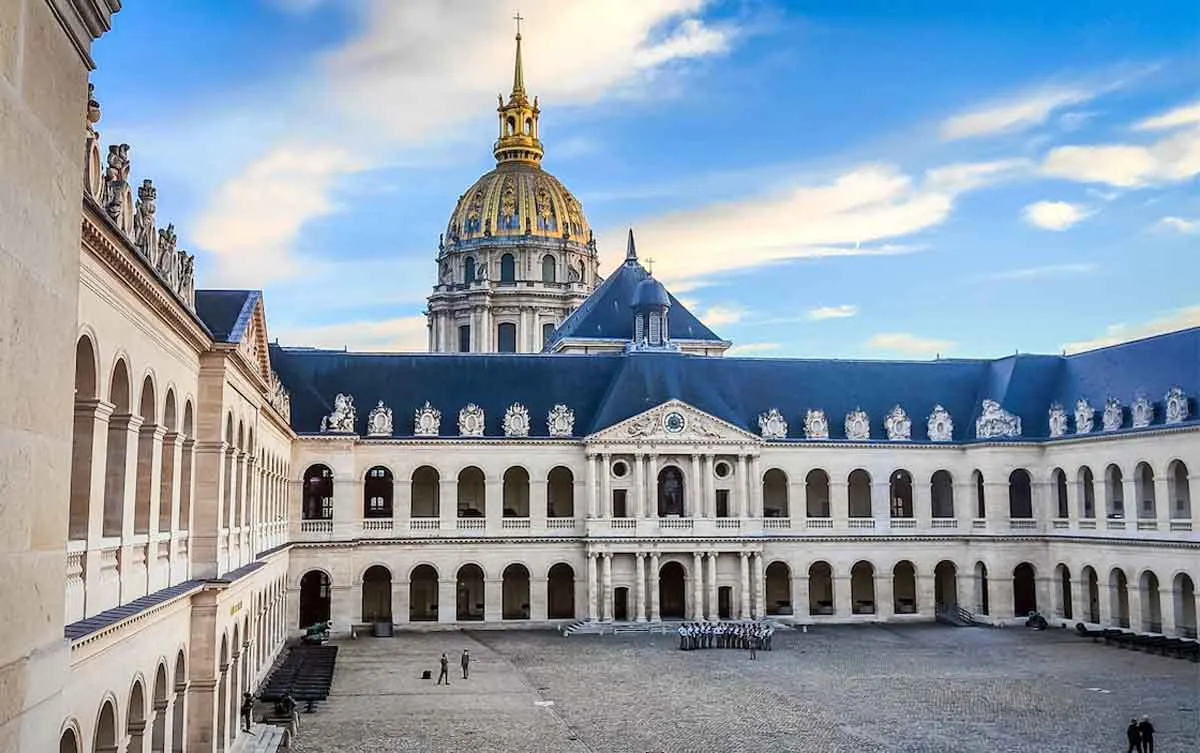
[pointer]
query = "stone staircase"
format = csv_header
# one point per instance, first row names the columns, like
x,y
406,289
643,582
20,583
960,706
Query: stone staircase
x,y
953,614
262,738
592,627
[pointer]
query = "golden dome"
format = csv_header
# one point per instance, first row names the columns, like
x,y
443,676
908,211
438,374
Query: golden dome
x,y
518,199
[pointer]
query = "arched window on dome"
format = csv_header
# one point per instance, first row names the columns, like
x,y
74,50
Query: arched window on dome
x,y
508,268
528,126
469,270
549,268
547,333
655,328
512,126
506,338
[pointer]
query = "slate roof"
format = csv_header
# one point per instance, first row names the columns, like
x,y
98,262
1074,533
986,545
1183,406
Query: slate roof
x,y
226,312
605,389
82,628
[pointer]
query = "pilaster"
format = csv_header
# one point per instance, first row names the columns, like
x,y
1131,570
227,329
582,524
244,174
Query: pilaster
x,y
697,575
639,587
655,615
744,590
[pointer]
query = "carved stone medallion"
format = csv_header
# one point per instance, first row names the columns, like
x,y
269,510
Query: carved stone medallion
x,y
772,425
940,425
1143,412
561,421
516,421
1177,406
1058,420
995,422
897,424
427,421
1085,417
858,424
816,426
1114,414
379,421
470,421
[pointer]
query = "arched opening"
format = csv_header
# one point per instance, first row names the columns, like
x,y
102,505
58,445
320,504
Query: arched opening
x,y
185,470
506,337
549,268
514,599
158,720
510,126
223,694
135,720
778,588
1114,492
672,591
1147,508
508,268
816,494
1066,609
982,601
234,684
547,333
904,587
423,594
560,592
117,447
1087,493
425,487
1179,491
179,704
1151,603
941,488
980,496
377,594
775,494
147,410
469,588
859,490
945,585
560,493
314,598
377,493
621,604
670,492
68,743
470,493
464,338
318,493
82,440
820,588
1119,589
166,482
516,492
900,492
862,588
1020,495
1062,508
528,126
469,270
1024,590
1184,593
106,730
1093,594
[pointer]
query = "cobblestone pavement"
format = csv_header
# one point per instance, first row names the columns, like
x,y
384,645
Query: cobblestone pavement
x,y
868,689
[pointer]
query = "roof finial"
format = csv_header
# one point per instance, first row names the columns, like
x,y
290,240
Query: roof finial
x,y
630,250
518,69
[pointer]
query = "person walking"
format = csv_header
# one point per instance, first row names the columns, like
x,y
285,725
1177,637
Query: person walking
x,y
753,647
247,711
466,663
445,673
1134,735
1146,734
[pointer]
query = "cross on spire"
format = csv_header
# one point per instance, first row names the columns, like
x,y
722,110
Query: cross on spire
x,y
518,18
650,264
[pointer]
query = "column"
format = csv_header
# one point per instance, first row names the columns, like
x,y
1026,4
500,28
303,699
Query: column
x,y
448,503
651,486
995,497
1134,591
1162,503
539,598
885,596
695,490
539,502
1132,505
1166,602
593,613
589,482
713,611
740,501
493,599
345,607
926,595
697,610
839,502
881,503
448,599
604,510
1079,597
754,481
1001,597
639,487
744,610
922,503
842,600
1106,599
1072,502
760,586
400,603
606,590
654,567
639,588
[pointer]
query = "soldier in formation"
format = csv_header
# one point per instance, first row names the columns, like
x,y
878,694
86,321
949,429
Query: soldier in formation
x,y
750,636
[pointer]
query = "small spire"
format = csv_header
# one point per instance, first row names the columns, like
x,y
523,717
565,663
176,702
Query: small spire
x,y
630,250
518,68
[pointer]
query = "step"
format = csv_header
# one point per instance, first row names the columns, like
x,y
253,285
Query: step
x,y
262,738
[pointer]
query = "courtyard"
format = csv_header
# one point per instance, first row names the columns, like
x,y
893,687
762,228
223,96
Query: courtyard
x,y
877,688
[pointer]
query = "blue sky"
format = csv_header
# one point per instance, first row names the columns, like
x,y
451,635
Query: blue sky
x,y
817,179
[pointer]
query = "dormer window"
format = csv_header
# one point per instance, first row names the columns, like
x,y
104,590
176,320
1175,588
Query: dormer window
x,y
639,329
655,328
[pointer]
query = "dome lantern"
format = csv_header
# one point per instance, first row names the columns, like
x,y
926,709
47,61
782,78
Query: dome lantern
x,y
518,141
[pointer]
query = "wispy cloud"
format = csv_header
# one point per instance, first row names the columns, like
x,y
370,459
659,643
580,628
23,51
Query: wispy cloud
x,y
1186,115
750,349
908,345
968,176
1183,318
1013,114
1177,225
1055,215
406,334
716,316
1049,270
822,313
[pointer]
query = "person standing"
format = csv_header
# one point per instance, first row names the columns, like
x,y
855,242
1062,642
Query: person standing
x,y
1146,734
1133,734
445,673
466,663
247,711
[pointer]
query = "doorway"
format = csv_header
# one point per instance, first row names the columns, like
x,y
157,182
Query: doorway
x,y
725,602
621,604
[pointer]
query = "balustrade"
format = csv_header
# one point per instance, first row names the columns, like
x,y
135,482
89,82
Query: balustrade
x,y
316,526
814,523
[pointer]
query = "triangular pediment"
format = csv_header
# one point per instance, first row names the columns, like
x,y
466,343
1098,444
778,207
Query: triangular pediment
x,y
673,422
253,342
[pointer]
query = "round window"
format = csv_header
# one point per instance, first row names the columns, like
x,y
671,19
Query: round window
x,y
619,468
722,469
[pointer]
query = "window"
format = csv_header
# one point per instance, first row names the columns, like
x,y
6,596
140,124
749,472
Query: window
x,y
506,338
549,268
508,268
722,469
619,496
547,332
619,469
464,338
722,503
639,328
655,328
469,270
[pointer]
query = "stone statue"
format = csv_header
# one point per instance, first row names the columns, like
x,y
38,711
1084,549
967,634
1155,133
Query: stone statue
x,y
1143,412
116,184
772,425
995,422
145,235
341,420
561,421
1058,420
187,279
470,421
897,425
1085,417
379,421
858,425
427,421
940,425
816,426
516,421
1114,414
1177,406
280,400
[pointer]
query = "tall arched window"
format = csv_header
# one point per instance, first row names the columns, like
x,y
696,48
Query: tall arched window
x,y
547,332
318,493
377,493
508,268
670,492
469,270
506,338
1020,494
549,268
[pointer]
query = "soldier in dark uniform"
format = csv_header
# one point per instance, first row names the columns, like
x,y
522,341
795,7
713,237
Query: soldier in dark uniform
x,y
445,673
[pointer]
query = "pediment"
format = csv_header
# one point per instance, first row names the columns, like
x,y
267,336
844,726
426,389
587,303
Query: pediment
x,y
253,342
673,422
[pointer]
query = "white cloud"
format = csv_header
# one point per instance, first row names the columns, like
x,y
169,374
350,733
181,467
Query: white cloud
x,y
1183,318
1054,215
832,312
407,334
1049,270
1174,158
752,348
968,176
904,344
1014,114
716,316
1187,115
1178,225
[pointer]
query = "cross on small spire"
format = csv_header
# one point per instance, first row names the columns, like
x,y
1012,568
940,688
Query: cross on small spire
x,y
518,18
650,265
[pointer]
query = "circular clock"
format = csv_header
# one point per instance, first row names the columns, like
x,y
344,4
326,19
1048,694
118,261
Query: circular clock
x,y
674,422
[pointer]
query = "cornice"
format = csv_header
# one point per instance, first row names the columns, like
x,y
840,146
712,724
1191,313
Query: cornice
x,y
84,21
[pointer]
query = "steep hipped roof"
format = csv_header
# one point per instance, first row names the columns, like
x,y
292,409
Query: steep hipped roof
x,y
226,312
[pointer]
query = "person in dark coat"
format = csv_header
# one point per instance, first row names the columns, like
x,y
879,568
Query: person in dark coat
x,y
1146,733
1134,735
247,711
445,673
466,663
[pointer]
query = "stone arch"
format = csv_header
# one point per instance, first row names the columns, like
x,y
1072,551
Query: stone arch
x,y
671,492
87,369
508,269
1118,585
1020,495
83,438
470,601
1114,492
148,410
106,728
1086,482
423,593
471,491
941,490
425,489
1092,584
117,447
980,494
820,588
859,494
560,492
68,741
904,588
775,494
1147,504
560,592
1024,580
167,496
982,595
377,594
862,588
469,270
945,585
672,590
1062,507
816,494
506,337
1183,591
900,494
317,493
1179,490
1151,604
135,718
223,695
777,588
516,492
1063,606
377,492
161,701
315,593
514,592
549,268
